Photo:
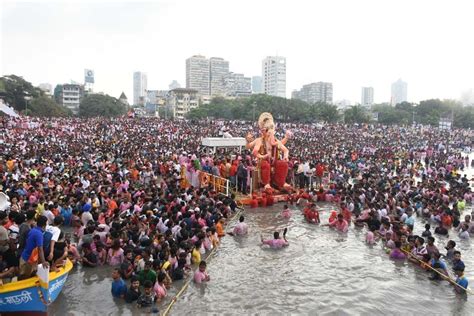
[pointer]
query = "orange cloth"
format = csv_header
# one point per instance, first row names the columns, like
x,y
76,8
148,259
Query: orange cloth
x,y
220,229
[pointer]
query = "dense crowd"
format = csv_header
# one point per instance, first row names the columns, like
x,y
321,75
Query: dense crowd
x,y
129,188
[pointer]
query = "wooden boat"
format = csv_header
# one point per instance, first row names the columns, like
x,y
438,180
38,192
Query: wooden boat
x,y
32,296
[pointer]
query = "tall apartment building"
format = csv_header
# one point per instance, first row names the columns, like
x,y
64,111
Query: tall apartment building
x,y
198,75
71,96
314,92
218,72
367,96
274,76
237,85
399,92
257,84
139,87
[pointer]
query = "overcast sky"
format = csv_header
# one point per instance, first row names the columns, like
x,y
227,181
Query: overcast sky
x,y
429,44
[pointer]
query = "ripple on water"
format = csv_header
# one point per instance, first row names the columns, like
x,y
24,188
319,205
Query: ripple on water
x,y
322,272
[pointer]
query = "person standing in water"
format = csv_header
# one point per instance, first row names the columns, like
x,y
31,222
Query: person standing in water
x,y
241,228
339,224
276,242
286,213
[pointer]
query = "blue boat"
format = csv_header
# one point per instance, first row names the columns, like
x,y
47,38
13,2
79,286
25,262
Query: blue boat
x,y
32,296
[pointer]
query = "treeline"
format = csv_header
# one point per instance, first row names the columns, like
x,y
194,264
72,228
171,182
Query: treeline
x,y
427,112
32,101
27,99
281,108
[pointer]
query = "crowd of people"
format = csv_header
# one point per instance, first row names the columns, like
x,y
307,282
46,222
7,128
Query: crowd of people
x,y
130,190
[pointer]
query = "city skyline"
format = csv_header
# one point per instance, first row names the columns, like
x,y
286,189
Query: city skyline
x,y
34,45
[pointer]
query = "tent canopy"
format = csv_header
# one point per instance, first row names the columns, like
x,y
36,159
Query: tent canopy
x,y
7,110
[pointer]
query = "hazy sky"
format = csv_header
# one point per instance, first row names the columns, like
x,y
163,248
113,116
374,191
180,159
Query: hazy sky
x,y
428,44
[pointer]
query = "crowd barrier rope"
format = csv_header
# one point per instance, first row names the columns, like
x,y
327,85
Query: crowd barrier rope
x,y
209,256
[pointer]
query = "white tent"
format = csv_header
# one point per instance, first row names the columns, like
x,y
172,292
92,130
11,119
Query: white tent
x,y
7,110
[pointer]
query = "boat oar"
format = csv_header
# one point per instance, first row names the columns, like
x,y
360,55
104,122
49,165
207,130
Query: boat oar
x,y
446,277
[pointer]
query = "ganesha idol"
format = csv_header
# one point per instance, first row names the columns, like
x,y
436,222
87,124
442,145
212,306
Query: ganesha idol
x,y
271,153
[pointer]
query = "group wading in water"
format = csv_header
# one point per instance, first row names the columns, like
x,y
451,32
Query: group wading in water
x,y
128,191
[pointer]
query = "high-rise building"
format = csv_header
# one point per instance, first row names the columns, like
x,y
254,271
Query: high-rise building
x,y
367,96
218,71
256,84
274,76
399,92
237,85
197,74
139,87
314,92
174,85
47,88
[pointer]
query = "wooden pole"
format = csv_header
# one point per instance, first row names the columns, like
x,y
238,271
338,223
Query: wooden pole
x,y
446,277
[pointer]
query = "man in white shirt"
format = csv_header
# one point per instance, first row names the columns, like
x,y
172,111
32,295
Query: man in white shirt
x,y
55,231
48,213
306,170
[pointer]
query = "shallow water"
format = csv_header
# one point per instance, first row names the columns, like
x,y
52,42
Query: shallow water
x,y
321,272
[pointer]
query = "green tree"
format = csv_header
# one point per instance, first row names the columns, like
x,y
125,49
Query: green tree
x,y
244,108
356,114
95,105
16,88
387,114
327,112
57,93
45,107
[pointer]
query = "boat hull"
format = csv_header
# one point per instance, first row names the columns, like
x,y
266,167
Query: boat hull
x,y
29,296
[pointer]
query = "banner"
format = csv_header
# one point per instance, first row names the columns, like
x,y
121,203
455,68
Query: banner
x,y
88,76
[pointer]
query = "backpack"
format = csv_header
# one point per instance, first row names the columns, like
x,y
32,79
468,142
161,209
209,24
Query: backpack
x,y
47,236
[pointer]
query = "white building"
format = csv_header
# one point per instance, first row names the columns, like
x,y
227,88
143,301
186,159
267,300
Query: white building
x,y
47,88
71,96
218,72
399,92
314,92
237,85
274,76
257,84
197,74
181,101
139,87
343,104
367,96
